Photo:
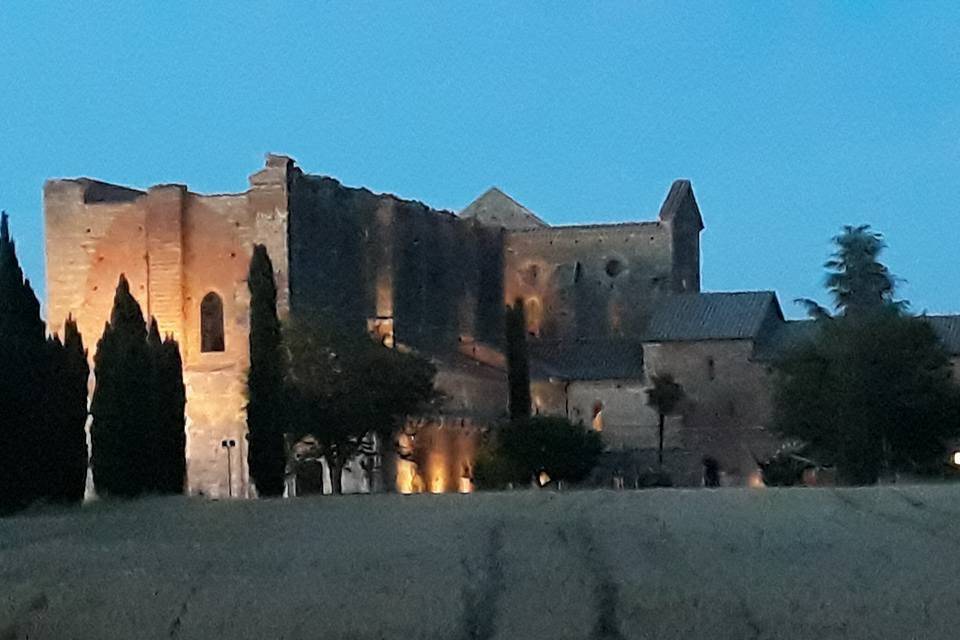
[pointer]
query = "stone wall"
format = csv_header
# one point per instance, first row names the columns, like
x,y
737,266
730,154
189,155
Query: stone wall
x,y
589,281
175,247
728,405
725,414
357,256
616,408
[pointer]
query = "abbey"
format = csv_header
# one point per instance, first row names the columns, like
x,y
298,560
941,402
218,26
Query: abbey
x,y
607,306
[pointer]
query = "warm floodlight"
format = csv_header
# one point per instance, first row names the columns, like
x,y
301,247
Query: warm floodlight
x,y
955,458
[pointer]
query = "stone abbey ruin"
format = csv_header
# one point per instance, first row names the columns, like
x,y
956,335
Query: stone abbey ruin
x,y
607,307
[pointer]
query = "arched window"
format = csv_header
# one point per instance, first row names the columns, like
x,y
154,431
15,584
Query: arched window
x,y
597,422
211,323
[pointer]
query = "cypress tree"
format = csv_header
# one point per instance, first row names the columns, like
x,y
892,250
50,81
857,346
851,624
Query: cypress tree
x,y
518,367
47,474
62,452
168,435
22,345
72,381
121,406
266,453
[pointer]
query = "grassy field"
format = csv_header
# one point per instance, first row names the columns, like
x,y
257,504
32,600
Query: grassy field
x,y
732,563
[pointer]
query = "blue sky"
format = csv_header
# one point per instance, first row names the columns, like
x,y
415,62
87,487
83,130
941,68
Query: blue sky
x,y
791,119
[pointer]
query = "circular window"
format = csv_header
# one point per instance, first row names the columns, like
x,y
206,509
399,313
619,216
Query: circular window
x,y
614,267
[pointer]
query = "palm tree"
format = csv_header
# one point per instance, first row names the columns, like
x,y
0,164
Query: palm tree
x,y
664,396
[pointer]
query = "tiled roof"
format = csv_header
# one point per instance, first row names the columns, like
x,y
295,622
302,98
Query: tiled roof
x,y
613,359
711,316
783,337
793,333
948,328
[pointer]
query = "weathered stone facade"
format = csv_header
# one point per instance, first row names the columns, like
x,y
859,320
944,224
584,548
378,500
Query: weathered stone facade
x,y
607,306
176,248
601,281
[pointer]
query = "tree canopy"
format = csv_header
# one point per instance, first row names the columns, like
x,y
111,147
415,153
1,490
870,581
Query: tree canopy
x,y
522,450
344,387
872,392
856,279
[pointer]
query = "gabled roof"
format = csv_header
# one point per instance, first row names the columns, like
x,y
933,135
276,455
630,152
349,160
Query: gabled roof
x,y
711,316
613,359
495,208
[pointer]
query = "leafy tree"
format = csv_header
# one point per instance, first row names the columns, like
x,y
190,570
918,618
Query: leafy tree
x,y
665,396
518,366
343,387
871,394
524,449
22,355
872,391
399,384
493,470
266,454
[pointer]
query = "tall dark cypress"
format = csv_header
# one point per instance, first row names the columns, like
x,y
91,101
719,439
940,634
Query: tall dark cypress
x,y
73,383
169,434
48,480
518,367
22,346
62,447
266,454
121,405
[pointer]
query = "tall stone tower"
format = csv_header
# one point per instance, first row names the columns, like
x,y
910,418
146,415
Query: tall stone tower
x,y
186,257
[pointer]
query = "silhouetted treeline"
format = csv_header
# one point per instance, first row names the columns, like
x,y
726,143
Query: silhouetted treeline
x,y
138,406
137,433
43,397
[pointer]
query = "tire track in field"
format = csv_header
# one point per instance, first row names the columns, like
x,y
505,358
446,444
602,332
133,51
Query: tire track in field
x,y
606,591
20,619
482,589
921,505
906,522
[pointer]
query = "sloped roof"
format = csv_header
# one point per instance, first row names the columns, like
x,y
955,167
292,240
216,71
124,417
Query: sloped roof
x,y
784,337
614,359
948,328
792,333
495,208
711,316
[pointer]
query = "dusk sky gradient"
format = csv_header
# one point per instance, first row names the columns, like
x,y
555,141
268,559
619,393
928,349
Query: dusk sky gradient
x,y
791,119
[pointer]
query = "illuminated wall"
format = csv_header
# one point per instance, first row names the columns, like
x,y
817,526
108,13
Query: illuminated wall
x,y
438,456
175,247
